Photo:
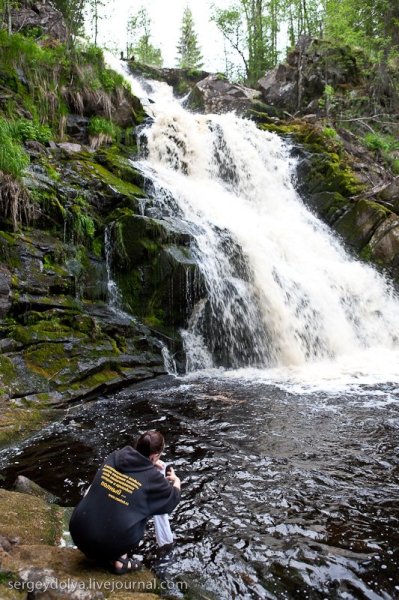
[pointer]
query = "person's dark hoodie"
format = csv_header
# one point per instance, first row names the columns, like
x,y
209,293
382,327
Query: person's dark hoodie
x,y
125,492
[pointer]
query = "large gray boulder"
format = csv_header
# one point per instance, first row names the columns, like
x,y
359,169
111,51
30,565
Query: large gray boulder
x,y
299,84
214,94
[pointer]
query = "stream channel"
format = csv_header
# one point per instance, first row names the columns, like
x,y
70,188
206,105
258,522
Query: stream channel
x,y
289,491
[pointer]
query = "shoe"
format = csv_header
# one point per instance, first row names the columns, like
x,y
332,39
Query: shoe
x,y
129,565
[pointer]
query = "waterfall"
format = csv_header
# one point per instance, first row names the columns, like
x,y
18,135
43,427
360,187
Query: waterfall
x,y
281,290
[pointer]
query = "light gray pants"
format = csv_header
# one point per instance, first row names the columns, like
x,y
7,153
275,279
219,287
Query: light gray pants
x,y
163,532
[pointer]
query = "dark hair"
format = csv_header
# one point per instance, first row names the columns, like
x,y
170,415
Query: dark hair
x,y
150,442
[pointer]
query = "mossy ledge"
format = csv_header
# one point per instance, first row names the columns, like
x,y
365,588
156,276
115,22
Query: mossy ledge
x,y
31,557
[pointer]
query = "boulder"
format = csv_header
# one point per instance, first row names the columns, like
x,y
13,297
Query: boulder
x,y
215,94
390,195
77,127
298,84
24,485
279,87
384,244
41,16
69,147
181,80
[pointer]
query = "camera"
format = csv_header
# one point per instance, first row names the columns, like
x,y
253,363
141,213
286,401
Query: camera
x,y
168,469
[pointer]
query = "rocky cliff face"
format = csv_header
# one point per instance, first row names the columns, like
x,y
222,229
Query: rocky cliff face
x,y
64,334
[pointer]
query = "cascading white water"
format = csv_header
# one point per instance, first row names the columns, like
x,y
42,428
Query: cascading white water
x,y
281,290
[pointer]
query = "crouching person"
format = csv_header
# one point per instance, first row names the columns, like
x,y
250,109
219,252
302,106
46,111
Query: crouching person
x,y
130,487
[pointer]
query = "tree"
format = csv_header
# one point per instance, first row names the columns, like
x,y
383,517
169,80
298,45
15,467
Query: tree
x,y
189,53
371,24
95,7
138,39
304,17
250,27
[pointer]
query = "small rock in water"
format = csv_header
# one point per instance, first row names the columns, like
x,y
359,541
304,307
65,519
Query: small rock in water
x,y
26,486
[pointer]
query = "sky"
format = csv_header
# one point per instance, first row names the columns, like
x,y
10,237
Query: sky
x,y
166,18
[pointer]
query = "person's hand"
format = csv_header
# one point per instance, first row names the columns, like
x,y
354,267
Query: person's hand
x,y
173,478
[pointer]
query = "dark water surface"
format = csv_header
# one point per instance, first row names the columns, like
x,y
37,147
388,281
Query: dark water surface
x,y
284,495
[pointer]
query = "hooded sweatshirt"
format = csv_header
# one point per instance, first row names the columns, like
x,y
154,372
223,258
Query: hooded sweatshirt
x,y
125,492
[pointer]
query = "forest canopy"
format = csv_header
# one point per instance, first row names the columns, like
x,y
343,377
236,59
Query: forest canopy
x,y
256,33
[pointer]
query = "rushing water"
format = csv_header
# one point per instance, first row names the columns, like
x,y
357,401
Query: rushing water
x,y
281,290
285,430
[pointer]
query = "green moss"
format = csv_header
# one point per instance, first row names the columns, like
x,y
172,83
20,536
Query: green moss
x,y
124,188
18,421
95,380
119,165
154,322
329,164
7,371
366,253
48,360
8,250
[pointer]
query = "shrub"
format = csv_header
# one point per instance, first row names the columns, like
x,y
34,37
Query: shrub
x,y
23,130
102,131
376,142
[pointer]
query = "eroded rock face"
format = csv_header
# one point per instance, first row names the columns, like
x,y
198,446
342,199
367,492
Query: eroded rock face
x,y
5,291
42,16
217,95
160,280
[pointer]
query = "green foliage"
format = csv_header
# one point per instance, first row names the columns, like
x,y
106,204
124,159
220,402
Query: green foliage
x,y
81,223
189,53
371,24
376,142
73,12
329,100
23,130
250,28
329,132
111,79
384,147
13,158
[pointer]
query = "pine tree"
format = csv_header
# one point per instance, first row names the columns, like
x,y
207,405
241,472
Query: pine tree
x,y
189,53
